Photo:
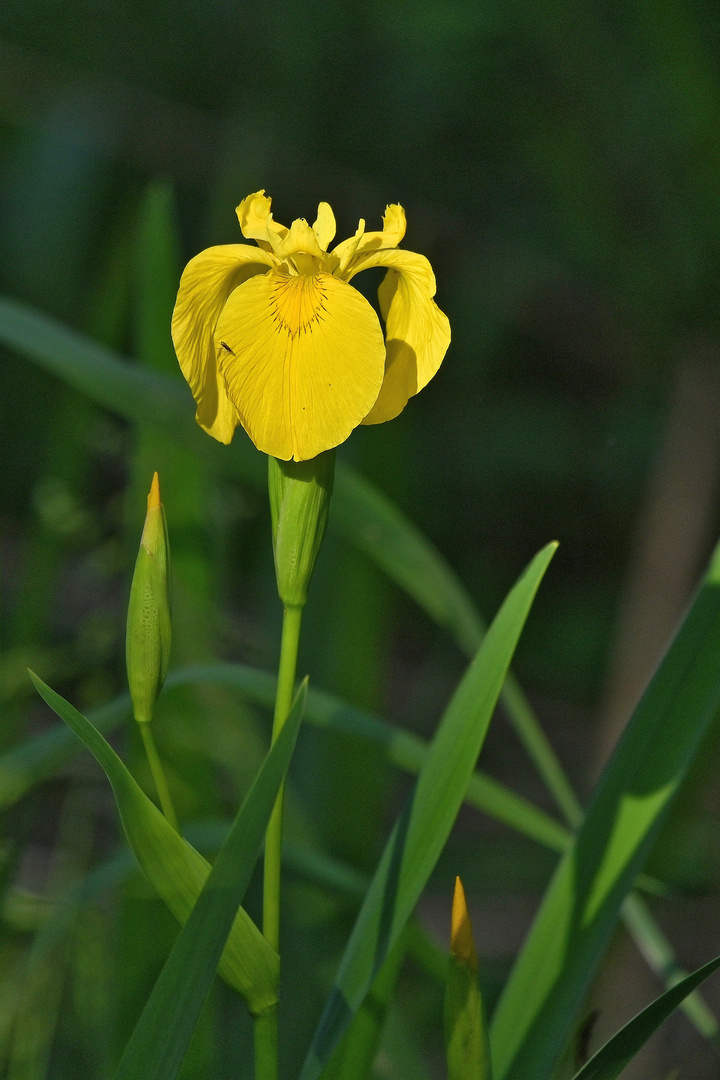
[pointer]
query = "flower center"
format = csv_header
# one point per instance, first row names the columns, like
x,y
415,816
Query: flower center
x,y
297,302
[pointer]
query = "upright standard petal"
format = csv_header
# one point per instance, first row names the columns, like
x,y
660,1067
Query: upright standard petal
x,y
324,225
393,230
206,283
255,219
302,359
299,239
417,331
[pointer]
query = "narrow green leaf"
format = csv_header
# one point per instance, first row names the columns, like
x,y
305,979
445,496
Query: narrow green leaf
x,y
160,1039
173,867
354,1056
157,264
96,371
611,1059
423,827
570,933
659,954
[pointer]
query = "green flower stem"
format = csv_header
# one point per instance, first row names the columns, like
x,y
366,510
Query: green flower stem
x,y
266,1025
273,841
266,1042
158,775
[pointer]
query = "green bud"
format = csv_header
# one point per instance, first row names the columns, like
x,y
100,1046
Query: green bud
x,y
148,636
299,505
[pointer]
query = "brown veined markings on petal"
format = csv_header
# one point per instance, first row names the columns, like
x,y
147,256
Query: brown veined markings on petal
x,y
297,301
332,370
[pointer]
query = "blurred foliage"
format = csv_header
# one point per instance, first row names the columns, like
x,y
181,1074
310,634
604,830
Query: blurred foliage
x,y
560,165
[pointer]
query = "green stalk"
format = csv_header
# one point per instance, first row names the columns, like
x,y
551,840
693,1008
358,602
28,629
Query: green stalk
x,y
273,842
158,775
266,1025
266,1042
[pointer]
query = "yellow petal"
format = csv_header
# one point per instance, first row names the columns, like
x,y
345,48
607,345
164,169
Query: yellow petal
x,y
206,283
391,235
299,240
303,361
417,331
339,260
255,219
393,230
324,225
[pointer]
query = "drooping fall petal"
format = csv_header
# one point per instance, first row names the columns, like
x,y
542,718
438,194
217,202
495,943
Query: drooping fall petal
x,y
417,331
206,283
302,359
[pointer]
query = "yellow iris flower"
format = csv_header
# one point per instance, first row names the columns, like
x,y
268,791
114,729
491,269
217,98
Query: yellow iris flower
x,y
275,338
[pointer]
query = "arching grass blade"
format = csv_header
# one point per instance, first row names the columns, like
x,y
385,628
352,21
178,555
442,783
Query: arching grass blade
x,y
163,1032
611,1059
424,825
173,867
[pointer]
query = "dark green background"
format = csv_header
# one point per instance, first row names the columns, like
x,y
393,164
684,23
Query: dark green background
x,y
559,163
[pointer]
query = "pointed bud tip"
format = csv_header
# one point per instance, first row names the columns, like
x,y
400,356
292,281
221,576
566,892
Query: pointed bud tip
x,y
462,945
153,499
149,629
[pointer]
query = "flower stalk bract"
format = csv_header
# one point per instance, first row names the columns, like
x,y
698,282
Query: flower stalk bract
x,y
299,505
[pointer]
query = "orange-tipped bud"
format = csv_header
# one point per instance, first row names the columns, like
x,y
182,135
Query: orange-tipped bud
x,y
153,499
462,945
466,1038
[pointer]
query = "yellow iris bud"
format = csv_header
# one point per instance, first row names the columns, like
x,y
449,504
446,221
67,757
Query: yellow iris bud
x,y
466,1041
462,944
148,636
